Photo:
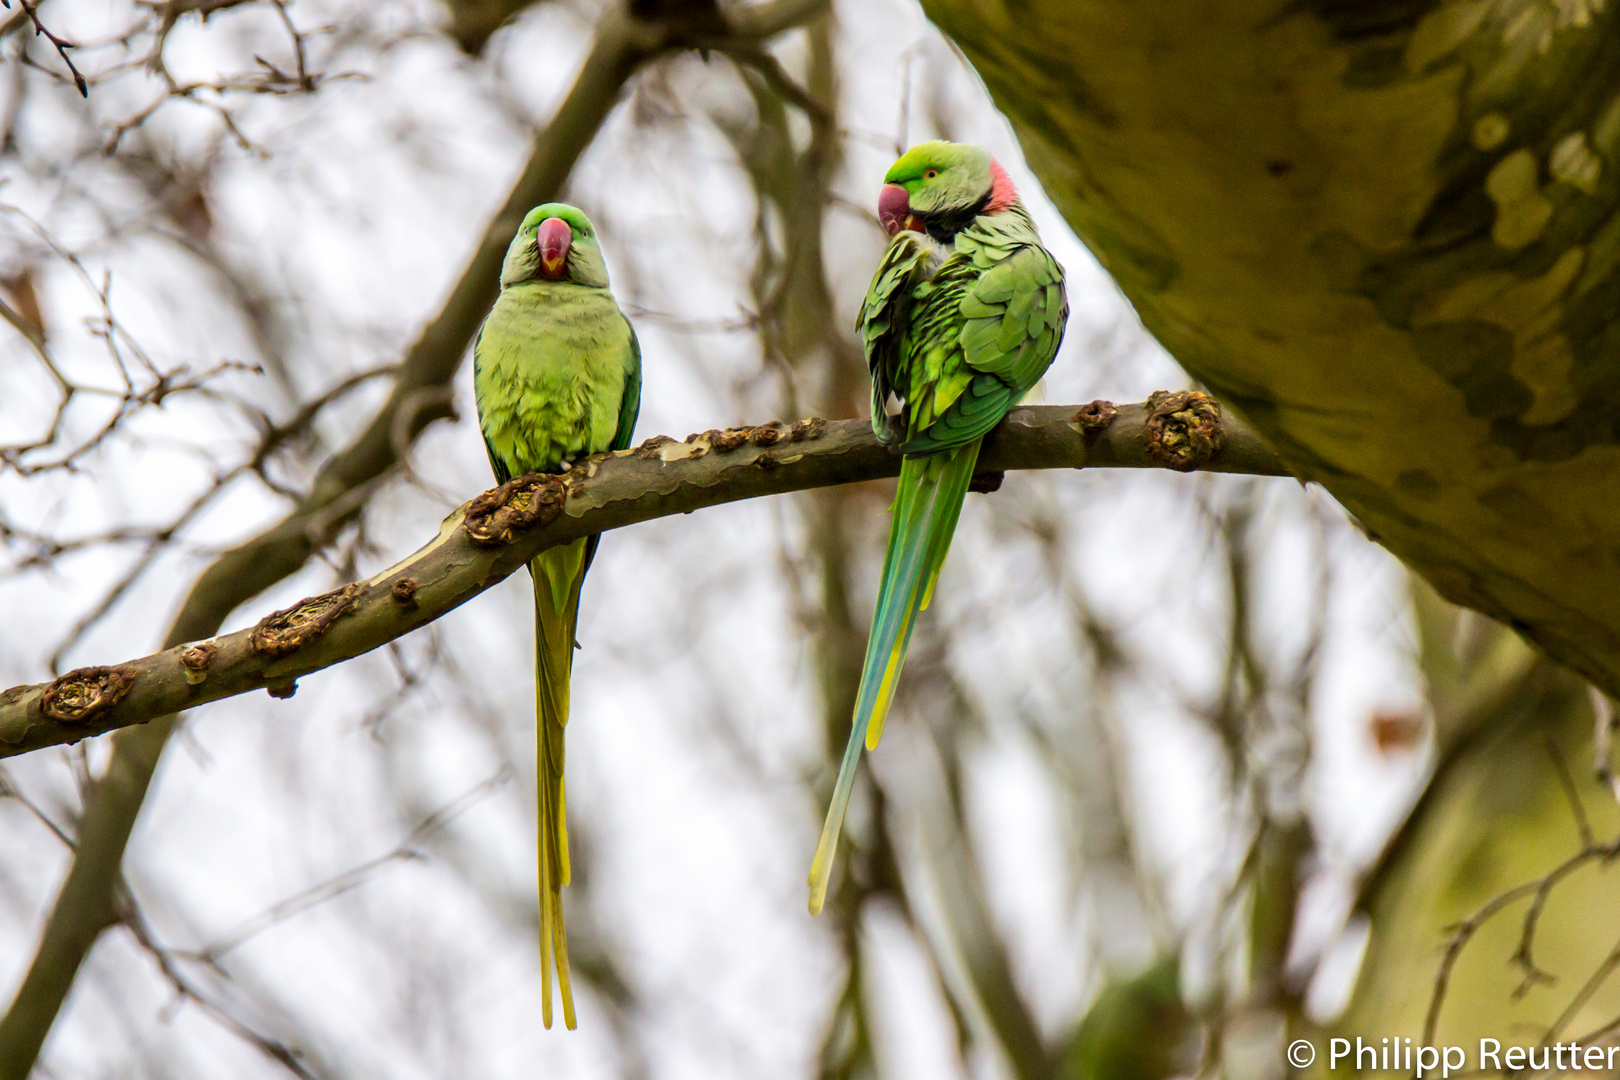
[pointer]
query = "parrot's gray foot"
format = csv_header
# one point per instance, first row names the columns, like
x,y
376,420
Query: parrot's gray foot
x,y
986,482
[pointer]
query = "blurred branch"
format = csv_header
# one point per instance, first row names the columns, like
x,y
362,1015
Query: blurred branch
x,y
215,1005
187,989
1476,865
756,22
474,22
86,904
1497,679
409,847
958,880
814,364
492,536
156,21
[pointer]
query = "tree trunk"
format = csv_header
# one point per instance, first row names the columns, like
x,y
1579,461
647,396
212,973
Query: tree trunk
x,y
1454,901
1384,232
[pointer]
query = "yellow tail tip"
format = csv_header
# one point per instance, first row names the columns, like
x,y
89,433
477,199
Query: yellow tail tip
x,y
565,986
818,898
820,872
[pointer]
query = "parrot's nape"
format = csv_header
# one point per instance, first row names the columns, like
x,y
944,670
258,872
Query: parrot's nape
x,y
557,377
964,315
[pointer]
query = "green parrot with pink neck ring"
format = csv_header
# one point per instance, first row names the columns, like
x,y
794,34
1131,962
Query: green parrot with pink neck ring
x,y
964,315
557,377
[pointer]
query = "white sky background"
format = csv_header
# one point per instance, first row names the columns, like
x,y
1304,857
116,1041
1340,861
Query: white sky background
x,y
696,714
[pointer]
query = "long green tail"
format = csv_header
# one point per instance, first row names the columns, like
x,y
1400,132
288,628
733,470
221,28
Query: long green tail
x,y
926,507
557,574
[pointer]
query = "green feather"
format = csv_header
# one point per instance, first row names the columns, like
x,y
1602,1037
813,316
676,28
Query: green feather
x,y
557,377
904,269
959,335
926,508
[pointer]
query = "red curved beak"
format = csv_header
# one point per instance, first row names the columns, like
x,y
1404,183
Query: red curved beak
x,y
553,239
894,210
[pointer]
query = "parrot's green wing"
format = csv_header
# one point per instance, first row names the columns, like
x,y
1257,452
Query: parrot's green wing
x,y
630,404
1008,320
496,466
629,409
885,314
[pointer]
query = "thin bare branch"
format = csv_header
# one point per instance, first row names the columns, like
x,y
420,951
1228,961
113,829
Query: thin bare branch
x,y
187,990
60,44
85,906
407,848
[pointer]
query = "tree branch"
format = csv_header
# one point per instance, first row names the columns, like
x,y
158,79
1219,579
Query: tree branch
x,y
86,904
61,44
492,536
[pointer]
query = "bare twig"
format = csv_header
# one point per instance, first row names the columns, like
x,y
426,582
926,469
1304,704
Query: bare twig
x,y
1594,982
187,990
1524,953
61,44
149,386
1461,934
407,848
1577,809
274,437
85,906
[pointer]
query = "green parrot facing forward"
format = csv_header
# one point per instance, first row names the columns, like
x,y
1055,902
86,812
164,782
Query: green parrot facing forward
x,y
557,377
962,318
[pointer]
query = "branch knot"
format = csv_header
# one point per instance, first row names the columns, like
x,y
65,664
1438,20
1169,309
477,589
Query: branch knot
x,y
80,696
197,658
1183,428
649,449
404,591
526,502
811,427
1094,418
284,632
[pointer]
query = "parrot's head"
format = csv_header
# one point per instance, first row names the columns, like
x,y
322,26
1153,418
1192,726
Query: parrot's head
x,y
556,242
940,187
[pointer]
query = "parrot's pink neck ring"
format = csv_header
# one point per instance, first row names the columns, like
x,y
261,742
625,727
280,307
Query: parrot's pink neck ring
x,y
1002,192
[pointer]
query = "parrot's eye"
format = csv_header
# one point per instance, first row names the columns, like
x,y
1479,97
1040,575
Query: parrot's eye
x,y
930,174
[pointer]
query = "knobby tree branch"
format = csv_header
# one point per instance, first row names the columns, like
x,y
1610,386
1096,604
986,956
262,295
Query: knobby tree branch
x,y
490,537
86,904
